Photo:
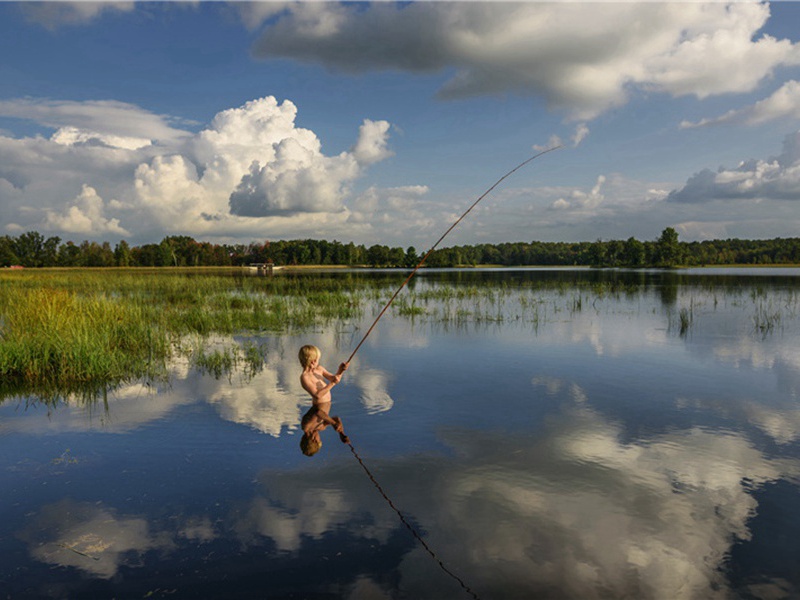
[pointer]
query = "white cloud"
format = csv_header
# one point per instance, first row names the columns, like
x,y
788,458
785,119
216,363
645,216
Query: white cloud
x,y
703,230
783,103
253,161
105,120
581,131
405,210
298,180
371,144
253,14
53,15
582,201
86,216
72,136
251,172
581,58
776,178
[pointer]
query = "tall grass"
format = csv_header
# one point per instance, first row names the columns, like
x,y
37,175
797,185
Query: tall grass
x,y
62,339
72,329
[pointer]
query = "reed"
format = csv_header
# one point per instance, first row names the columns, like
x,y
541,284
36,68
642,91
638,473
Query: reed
x,y
64,339
79,329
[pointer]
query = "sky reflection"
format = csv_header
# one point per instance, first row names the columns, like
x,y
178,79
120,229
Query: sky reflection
x,y
596,453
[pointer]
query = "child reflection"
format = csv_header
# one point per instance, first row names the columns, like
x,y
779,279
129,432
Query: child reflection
x,y
315,420
318,382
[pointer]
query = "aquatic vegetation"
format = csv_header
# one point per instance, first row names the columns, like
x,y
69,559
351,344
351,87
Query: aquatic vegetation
x,y
79,329
766,318
686,317
66,339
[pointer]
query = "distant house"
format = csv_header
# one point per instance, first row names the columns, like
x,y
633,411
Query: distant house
x,y
262,268
16,267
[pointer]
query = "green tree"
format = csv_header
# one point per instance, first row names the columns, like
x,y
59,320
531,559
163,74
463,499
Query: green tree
x,y
122,254
411,259
378,255
50,251
668,250
8,256
29,248
633,252
69,255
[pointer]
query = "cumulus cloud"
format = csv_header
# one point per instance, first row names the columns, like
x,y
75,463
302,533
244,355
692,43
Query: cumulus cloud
x,y
783,103
298,178
72,136
580,200
252,161
776,178
251,172
555,141
581,58
86,216
406,210
371,144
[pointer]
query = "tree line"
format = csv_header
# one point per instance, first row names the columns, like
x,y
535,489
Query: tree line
x,y
32,249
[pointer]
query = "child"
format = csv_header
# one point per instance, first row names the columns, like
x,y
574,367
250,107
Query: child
x,y
318,382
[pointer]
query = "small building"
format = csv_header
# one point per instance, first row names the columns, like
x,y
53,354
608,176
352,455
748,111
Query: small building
x,y
262,268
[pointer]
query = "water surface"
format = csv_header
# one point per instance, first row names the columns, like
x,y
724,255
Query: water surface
x,y
550,433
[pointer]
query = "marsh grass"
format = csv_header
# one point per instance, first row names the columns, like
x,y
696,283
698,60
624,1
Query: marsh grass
x,y
63,339
82,329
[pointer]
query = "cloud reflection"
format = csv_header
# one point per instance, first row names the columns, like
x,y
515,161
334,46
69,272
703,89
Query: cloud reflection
x,y
90,537
271,401
578,512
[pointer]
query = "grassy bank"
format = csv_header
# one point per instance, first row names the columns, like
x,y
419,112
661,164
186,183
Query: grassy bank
x,y
65,329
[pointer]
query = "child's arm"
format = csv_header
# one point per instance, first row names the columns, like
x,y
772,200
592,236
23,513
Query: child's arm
x,y
315,393
335,378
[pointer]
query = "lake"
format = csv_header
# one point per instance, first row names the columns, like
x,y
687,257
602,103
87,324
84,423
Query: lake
x,y
549,433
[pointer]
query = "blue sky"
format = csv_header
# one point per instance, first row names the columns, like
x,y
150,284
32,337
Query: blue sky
x,y
381,122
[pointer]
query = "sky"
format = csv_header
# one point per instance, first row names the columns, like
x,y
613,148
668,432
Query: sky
x,y
380,123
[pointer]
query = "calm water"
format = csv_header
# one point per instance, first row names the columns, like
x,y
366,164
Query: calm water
x,y
551,434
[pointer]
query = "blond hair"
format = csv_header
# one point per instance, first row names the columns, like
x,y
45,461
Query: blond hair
x,y
310,446
307,354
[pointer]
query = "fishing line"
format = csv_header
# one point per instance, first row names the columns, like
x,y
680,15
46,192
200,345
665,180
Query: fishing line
x,y
408,525
347,441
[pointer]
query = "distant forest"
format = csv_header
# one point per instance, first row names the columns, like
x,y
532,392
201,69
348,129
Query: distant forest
x,y
32,249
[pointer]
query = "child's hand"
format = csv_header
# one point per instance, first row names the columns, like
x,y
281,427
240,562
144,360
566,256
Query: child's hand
x,y
336,379
343,367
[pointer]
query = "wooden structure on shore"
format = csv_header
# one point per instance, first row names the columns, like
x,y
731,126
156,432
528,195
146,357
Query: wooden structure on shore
x,y
266,268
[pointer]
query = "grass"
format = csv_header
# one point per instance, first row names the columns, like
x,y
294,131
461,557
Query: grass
x,y
81,329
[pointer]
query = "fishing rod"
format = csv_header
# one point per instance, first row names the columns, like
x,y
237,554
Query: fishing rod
x,y
439,241
346,440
